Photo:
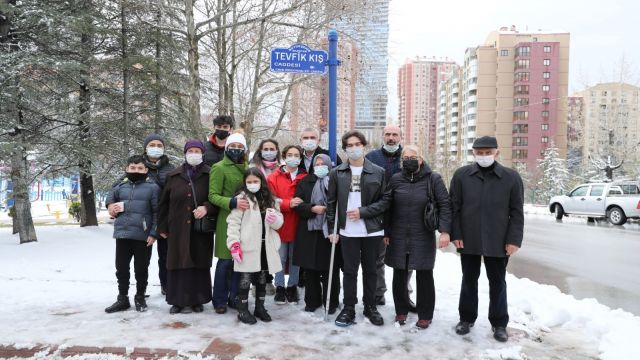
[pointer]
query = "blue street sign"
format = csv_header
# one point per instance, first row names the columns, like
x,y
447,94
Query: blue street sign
x,y
299,59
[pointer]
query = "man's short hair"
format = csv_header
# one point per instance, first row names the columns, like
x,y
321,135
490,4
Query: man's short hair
x,y
315,131
136,159
353,133
224,120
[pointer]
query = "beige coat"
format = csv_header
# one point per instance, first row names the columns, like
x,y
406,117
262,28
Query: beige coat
x,y
246,227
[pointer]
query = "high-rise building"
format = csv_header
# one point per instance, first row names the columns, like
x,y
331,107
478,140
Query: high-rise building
x,y
449,133
418,82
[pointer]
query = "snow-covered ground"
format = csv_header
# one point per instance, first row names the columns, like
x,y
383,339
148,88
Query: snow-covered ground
x,y
52,212
54,292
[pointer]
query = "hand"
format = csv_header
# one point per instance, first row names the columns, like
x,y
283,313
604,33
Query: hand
x,y
113,209
271,216
295,202
353,214
319,209
386,240
199,212
150,240
334,238
444,240
459,244
236,252
511,249
243,203
164,235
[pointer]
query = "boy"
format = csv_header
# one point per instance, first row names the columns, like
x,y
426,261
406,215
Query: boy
x,y
134,204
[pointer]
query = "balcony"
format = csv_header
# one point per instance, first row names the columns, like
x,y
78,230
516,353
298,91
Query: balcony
x,y
472,110
471,135
471,122
472,98
472,86
453,148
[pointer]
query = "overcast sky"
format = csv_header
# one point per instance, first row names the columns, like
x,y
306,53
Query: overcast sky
x,y
602,33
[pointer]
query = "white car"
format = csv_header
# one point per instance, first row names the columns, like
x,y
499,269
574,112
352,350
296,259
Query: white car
x,y
617,201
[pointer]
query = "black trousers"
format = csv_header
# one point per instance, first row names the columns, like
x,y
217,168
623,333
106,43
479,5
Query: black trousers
x,y
356,251
496,268
259,279
317,283
125,250
425,288
162,261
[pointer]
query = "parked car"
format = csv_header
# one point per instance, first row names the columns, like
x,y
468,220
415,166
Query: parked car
x,y
617,201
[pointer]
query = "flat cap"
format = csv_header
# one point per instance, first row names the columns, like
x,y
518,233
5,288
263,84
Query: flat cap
x,y
485,142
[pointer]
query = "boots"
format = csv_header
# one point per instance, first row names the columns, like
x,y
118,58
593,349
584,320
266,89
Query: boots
x,y
140,302
121,304
243,310
260,312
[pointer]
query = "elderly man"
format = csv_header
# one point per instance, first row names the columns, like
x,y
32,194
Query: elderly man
x,y
488,221
309,141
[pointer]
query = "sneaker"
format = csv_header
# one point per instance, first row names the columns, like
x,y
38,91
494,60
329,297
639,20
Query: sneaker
x,y
140,303
373,315
292,295
423,324
121,304
401,319
175,309
463,327
347,317
197,308
500,333
380,301
280,297
271,290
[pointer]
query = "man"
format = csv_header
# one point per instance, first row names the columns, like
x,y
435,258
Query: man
x,y
488,222
357,186
214,147
309,140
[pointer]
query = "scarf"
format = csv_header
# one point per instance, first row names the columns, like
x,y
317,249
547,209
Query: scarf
x,y
319,197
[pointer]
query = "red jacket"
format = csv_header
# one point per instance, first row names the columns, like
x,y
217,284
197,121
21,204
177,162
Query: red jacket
x,y
284,188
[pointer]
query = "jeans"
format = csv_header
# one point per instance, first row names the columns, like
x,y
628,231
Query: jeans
x,y
286,251
496,270
225,283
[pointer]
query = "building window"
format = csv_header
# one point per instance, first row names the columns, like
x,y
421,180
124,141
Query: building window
x,y
604,93
546,75
520,128
521,89
523,51
519,154
504,52
545,114
545,139
545,127
520,101
545,88
522,77
522,64
545,101
521,115
520,141
547,49
546,62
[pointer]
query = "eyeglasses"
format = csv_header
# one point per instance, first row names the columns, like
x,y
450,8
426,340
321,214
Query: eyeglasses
x,y
410,158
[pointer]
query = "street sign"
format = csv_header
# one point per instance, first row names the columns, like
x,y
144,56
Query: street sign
x,y
299,59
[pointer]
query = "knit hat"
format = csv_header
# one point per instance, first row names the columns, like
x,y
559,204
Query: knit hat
x,y
193,143
235,138
325,159
152,137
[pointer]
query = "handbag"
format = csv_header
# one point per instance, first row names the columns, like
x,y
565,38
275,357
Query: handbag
x,y
205,225
431,211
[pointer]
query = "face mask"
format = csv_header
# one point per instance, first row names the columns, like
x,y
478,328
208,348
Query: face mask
x,y
321,171
135,177
485,161
254,188
221,134
269,155
355,153
194,159
309,144
410,165
236,155
391,148
292,162
155,152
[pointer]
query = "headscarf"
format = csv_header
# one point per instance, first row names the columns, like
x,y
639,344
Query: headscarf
x,y
319,197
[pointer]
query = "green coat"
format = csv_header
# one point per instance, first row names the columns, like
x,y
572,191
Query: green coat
x,y
224,180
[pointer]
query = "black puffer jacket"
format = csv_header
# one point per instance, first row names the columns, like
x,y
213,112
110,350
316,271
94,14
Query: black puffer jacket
x,y
158,171
406,230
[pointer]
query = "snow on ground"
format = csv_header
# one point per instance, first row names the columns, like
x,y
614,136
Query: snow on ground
x,y
54,292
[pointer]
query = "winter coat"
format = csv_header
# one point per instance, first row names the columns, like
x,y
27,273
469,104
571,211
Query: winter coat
x,y
245,227
372,185
318,150
406,230
225,179
390,162
284,188
186,249
312,250
212,152
159,171
487,209
139,218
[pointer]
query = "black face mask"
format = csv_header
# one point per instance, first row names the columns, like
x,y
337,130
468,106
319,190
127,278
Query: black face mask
x,y
236,155
221,134
135,177
410,166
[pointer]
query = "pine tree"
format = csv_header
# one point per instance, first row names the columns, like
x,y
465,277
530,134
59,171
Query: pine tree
x,y
555,177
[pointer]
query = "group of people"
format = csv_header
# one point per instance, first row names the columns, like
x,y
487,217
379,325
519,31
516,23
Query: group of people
x,y
284,210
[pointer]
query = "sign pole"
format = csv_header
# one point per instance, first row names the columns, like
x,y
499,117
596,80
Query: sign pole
x,y
333,91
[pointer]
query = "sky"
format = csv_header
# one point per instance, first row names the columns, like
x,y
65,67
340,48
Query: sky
x,y
602,34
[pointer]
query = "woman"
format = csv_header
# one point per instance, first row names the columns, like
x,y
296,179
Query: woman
x,y
254,242
267,157
313,249
283,184
410,245
226,178
189,253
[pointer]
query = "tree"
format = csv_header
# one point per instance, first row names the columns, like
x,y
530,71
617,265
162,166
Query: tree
x,y
554,176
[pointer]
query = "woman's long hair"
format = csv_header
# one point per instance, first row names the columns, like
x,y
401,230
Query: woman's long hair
x,y
264,197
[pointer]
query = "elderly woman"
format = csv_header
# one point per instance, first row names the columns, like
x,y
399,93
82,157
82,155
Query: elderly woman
x,y
313,249
411,245
190,253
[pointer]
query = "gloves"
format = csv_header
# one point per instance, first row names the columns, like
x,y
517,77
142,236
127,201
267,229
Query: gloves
x,y
236,252
270,218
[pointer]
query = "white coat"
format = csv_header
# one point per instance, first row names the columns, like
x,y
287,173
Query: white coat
x,y
246,227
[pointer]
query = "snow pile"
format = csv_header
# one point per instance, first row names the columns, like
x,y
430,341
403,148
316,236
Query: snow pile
x,y
55,292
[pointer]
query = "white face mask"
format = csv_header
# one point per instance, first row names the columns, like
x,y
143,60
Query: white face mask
x,y
391,148
485,161
269,155
292,162
355,153
155,152
193,159
309,144
321,171
254,188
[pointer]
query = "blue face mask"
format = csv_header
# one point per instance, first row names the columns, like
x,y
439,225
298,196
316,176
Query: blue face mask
x,y
321,171
155,152
355,153
236,155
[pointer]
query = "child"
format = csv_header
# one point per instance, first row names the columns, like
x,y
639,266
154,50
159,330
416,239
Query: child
x,y
134,204
254,242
